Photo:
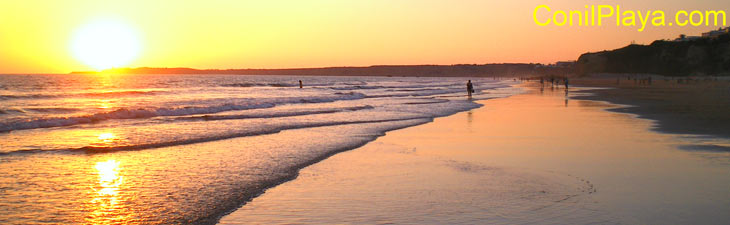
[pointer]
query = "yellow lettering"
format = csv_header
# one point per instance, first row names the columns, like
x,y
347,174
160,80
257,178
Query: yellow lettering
x,y
534,15
658,19
593,15
692,20
580,17
601,15
555,19
715,14
643,19
618,15
676,18
631,18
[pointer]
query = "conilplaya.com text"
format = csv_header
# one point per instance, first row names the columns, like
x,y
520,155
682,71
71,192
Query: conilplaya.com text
x,y
599,15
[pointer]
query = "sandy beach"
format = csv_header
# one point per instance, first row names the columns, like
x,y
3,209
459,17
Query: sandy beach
x,y
537,158
364,112
698,106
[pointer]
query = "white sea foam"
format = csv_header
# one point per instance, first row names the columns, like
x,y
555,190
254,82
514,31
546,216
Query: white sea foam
x,y
127,113
223,138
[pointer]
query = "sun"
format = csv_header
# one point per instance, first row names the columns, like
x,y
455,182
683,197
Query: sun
x,y
104,44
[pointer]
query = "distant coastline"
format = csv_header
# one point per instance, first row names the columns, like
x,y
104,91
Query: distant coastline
x,y
459,70
707,55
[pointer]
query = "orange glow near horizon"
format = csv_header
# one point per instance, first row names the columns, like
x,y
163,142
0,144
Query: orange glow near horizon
x,y
37,35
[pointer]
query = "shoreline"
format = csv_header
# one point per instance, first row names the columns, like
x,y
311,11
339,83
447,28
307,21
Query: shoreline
x,y
407,161
295,172
220,175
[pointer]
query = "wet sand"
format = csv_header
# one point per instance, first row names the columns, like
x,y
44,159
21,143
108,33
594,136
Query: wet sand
x,y
535,158
700,106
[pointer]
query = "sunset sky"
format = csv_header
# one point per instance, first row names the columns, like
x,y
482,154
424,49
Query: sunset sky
x,y
38,36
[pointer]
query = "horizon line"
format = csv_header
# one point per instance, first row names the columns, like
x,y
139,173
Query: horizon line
x,y
290,68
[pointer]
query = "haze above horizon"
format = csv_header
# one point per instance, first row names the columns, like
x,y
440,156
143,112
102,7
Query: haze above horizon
x,y
46,36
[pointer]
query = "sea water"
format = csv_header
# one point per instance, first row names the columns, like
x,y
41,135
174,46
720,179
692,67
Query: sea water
x,y
191,148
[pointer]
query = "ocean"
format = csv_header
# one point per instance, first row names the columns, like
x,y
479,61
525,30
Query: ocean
x,y
191,148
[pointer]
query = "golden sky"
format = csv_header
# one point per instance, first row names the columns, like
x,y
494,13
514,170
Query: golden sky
x,y
36,35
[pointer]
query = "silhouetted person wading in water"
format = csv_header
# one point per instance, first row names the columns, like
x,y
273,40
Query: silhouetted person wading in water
x,y
469,88
300,84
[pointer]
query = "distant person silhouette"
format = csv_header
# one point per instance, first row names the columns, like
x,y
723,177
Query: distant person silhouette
x,y
566,83
469,88
300,84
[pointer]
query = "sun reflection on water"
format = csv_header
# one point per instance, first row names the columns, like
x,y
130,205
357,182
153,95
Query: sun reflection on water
x,y
105,139
106,136
109,178
105,104
107,203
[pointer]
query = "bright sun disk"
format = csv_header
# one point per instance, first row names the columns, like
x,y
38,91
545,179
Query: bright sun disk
x,y
104,44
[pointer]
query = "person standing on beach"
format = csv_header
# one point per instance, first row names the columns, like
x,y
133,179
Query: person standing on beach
x,y
566,83
300,84
469,88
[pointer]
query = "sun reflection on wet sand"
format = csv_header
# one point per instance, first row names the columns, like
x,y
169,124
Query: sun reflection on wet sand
x,y
107,205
